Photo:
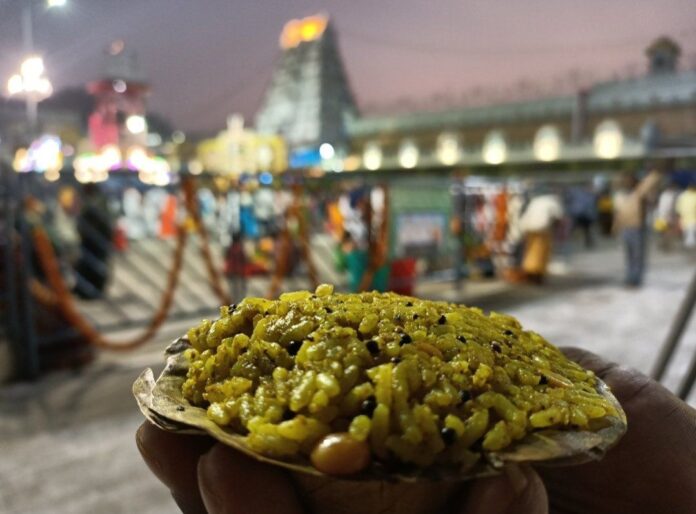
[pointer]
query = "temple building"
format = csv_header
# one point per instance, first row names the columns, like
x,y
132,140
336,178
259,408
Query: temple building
x,y
310,104
308,101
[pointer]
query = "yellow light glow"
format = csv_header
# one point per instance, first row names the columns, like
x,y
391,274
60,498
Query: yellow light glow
x,y
547,143
137,158
303,30
109,157
351,163
21,160
494,148
136,124
608,140
83,176
372,156
408,154
15,85
195,167
52,175
100,175
448,149
264,157
32,67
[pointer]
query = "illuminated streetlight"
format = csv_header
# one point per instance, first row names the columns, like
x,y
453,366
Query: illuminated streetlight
x,y
32,67
608,140
136,124
547,143
31,84
326,151
494,148
448,149
372,156
408,154
29,81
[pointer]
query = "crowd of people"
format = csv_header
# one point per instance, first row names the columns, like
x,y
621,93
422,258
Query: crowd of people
x,y
512,229
503,229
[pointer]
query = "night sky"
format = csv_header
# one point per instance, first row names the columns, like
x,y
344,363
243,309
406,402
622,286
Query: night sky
x,y
208,58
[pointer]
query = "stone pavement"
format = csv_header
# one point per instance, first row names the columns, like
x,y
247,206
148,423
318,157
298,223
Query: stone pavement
x,y
67,440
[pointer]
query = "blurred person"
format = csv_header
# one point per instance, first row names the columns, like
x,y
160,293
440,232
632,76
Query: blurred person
x,y
207,206
478,252
582,210
629,222
69,349
350,259
351,207
538,220
153,204
514,240
651,470
264,210
666,222
334,220
605,211
236,266
35,216
168,217
247,219
63,224
96,229
686,209
133,215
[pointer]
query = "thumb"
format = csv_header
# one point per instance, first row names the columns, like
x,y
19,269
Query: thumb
x,y
519,490
232,483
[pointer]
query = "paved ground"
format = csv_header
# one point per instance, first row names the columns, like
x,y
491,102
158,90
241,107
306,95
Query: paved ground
x,y
67,441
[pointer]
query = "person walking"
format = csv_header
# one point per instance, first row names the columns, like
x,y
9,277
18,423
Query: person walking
x,y
95,227
666,222
537,223
629,222
582,209
236,267
605,211
686,209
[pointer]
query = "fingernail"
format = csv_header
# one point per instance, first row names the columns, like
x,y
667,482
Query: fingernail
x,y
516,477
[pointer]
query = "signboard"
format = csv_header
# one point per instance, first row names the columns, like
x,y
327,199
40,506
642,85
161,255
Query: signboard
x,y
305,158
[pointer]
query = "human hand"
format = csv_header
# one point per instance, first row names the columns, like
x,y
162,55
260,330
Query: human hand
x,y
653,467
204,476
650,471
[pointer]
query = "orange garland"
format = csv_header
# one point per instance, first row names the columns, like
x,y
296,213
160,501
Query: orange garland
x,y
60,297
192,208
285,244
64,300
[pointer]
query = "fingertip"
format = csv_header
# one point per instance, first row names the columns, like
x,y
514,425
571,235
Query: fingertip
x,y
173,459
233,482
519,490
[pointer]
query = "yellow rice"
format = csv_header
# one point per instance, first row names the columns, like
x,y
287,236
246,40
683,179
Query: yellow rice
x,y
420,381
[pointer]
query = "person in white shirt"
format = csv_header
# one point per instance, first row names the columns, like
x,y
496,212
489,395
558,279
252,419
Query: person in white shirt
x,y
686,208
536,223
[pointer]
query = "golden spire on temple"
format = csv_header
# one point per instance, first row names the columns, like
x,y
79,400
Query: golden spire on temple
x,y
303,30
